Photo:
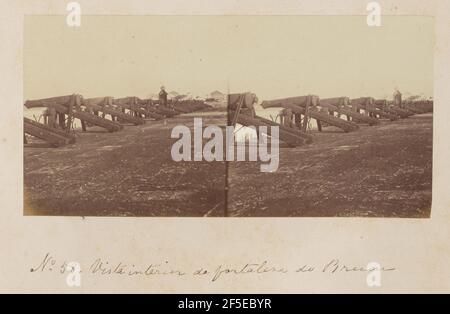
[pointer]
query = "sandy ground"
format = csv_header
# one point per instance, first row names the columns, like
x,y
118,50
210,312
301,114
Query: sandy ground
x,y
380,171
127,173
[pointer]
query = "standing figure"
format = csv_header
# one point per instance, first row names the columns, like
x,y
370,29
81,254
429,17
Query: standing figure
x,y
163,96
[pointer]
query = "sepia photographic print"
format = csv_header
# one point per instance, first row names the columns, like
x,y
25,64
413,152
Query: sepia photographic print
x,y
228,116
224,148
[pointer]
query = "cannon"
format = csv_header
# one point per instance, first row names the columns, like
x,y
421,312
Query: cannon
x,y
70,107
241,110
341,106
368,105
308,107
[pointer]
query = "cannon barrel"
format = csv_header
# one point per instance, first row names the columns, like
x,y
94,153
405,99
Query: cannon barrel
x,y
301,101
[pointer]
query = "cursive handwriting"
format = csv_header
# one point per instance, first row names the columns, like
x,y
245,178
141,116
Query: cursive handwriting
x,y
103,267
335,266
262,268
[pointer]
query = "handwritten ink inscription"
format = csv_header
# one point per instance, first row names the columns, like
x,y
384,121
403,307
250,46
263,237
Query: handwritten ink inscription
x,y
105,268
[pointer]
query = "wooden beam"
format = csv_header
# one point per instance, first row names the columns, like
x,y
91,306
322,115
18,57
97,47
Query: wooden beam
x,y
109,125
54,137
71,138
308,139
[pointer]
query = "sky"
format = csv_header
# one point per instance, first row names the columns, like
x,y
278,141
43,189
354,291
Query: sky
x,y
272,56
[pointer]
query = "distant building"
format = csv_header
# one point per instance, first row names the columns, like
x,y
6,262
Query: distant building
x,y
217,96
173,95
